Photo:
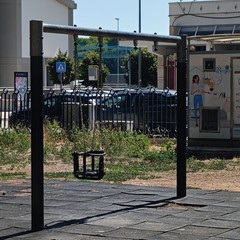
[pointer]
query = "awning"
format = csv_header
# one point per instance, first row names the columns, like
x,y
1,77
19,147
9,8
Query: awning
x,y
217,38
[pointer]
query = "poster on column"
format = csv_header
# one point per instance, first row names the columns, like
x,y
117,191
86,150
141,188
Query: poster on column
x,y
21,83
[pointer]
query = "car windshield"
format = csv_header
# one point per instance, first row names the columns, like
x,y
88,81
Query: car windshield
x,y
115,100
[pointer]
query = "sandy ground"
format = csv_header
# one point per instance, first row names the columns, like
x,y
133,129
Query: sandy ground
x,y
214,180
209,180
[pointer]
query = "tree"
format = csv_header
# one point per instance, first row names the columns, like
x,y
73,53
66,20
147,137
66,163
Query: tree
x,y
149,68
68,75
92,58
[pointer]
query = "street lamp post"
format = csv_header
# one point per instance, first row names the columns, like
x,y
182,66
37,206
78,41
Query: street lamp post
x,y
139,51
117,52
75,37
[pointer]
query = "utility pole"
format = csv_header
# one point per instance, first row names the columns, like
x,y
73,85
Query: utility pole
x,y
117,52
75,38
139,50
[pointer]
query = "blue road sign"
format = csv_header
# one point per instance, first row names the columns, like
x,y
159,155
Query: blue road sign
x,y
60,67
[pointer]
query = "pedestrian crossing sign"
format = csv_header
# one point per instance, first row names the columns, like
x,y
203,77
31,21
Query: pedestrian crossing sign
x,y
60,67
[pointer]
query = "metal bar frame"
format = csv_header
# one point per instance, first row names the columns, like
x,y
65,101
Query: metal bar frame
x,y
36,54
36,51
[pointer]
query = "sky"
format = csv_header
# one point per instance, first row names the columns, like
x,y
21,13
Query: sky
x,y
103,13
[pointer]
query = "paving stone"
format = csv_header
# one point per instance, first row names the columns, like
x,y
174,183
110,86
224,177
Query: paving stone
x,y
196,215
162,191
67,196
185,220
218,223
135,204
12,223
201,202
175,236
17,200
235,216
218,238
114,207
200,193
131,233
87,229
12,213
88,205
200,231
50,235
221,210
116,221
161,211
157,226
223,195
140,216
233,234
95,210
12,233
228,203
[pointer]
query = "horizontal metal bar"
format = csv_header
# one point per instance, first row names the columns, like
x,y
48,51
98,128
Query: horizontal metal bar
x,y
71,30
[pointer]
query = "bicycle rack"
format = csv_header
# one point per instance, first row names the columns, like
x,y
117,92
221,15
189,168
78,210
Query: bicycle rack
x,y
88,165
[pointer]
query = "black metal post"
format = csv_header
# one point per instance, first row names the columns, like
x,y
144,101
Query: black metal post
x,y
75,163
139,49
100,80
181,118
75,38
36,48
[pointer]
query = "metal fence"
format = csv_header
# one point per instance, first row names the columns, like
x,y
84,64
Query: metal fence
x,y
150,111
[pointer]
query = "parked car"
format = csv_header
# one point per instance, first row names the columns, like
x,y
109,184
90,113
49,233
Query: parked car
x,y
64,107
142,109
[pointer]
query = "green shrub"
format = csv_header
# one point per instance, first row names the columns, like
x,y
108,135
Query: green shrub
x,y
136,144
15,139
128,154
195,165
216,164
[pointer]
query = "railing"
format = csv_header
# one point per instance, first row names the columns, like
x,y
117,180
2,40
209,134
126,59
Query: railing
x,y
150,111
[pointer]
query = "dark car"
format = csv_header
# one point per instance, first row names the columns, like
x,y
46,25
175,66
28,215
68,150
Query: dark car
x,y
141,109
68,108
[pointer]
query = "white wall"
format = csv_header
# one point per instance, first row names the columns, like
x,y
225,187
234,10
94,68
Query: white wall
x,y
15,23
48,11
10,39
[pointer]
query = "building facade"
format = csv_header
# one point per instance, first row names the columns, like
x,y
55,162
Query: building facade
x,y
213,29
199,18
15,21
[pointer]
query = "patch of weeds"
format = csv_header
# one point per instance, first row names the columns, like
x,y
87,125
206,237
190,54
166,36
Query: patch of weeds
x,y
216,164
65,153
13,158
23,141
147,176
53,132
159,157
161,161
59,175
122,170
137,144
116,173
195,165
15,139
50,152
8,176
113,142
